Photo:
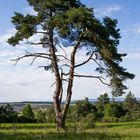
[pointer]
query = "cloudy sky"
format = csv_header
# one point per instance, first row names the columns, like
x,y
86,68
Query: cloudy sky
x,y
24,82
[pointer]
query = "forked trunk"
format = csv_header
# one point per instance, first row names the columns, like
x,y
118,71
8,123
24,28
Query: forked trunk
x,y
60,122
61,114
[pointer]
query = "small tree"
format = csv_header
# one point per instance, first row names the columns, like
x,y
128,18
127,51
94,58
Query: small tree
x,y
114,110
100,104
132,106
83,108
41,116
28,112
103,99
69,23
50,114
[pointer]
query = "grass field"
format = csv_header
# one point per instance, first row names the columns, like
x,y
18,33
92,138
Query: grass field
x,y
101,131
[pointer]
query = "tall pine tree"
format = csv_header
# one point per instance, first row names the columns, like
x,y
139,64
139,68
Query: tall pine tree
x,y
69,23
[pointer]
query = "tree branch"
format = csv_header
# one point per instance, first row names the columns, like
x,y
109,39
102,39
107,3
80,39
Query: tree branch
x,y
62,49
86,60
35,55
91,76
99,65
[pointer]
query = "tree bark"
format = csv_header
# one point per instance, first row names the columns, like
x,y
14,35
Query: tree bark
x,y
58,83
71,78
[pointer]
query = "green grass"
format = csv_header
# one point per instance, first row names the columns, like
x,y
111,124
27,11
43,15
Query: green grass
x,y
102,131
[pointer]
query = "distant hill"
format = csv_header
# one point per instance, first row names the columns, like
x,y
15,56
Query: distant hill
x,y
38,104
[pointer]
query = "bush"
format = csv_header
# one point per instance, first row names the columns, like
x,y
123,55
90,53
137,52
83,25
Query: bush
x,y
90,120
50,115
114,110
110,119
23,119
8,114
28,112
41,116
27,115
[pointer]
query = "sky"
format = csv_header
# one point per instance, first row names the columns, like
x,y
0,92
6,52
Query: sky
x,y
24,82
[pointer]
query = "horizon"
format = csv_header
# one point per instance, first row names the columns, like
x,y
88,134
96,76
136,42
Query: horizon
x,y
51,101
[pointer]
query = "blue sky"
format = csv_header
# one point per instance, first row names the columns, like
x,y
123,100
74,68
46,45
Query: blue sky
x,y
24,82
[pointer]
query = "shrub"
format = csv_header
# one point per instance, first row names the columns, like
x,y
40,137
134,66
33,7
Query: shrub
x,y
8,114
27,115
23,119
110,119
41,116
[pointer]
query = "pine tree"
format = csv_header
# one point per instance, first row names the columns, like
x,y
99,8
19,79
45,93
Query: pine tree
x,y
69,23
28,112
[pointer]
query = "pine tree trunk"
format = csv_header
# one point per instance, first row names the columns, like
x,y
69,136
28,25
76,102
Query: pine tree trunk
x,y
71,78
60,122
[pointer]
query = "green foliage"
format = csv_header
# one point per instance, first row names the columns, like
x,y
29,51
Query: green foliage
x,y
83,108
103,99
102,37
114,110
132,106
56,5
72,114
27,114
41,116
50,114
104,110
26,27
110,119
7,114
89,120
100,104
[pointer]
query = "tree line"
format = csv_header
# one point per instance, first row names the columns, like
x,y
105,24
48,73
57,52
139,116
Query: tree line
x,y
103,110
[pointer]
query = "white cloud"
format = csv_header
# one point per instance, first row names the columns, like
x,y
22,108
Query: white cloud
x,y
137,29
26,77
91,88
20,84
133,56
131,29
7,35
107,11
30,10
7,52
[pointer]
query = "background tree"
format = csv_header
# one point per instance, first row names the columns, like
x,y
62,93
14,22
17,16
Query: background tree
x,y
100,104
83,108
68,23
41,116
50,114
113,112
28,113
103,99
8,114
132,106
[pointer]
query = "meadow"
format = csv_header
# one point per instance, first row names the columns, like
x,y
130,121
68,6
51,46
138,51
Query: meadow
x,y
101,131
